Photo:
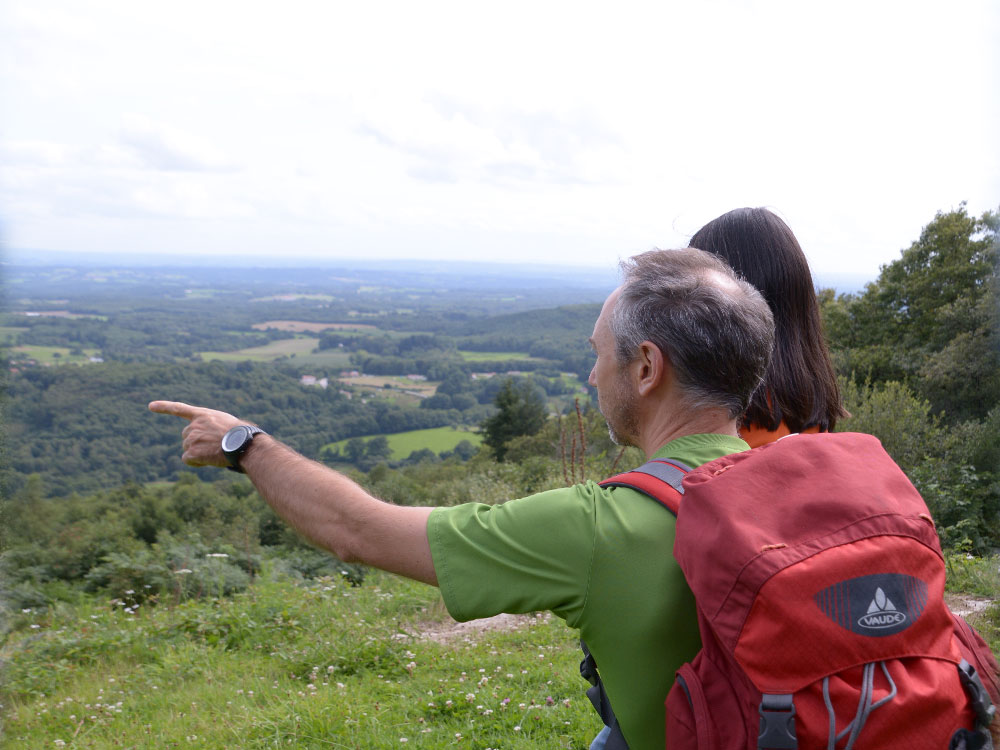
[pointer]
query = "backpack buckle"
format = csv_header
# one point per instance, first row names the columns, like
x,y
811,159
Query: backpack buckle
x,y
777,723
979,698
588,666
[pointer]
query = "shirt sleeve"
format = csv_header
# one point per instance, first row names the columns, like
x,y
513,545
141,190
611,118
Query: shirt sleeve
x,y
525,555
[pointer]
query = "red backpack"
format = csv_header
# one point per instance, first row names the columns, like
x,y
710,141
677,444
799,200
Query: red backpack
x,y
819,583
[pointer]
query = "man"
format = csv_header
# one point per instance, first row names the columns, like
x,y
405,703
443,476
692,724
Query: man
x,y
681,345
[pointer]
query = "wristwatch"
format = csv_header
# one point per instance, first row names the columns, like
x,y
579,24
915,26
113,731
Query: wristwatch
x,y
235,443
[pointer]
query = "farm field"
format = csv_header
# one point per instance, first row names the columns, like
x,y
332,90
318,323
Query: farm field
x,y
9,333
496,356
423,387
304,326
292,297
332,358
51,355
437,439
275,349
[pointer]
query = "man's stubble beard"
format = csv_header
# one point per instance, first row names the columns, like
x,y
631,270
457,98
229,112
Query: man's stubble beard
x,y
622,416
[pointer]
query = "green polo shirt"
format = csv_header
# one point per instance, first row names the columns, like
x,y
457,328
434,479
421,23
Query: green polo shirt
x,y
602,560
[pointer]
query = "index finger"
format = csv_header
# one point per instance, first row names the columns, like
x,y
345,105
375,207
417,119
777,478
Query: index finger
x,y
176,408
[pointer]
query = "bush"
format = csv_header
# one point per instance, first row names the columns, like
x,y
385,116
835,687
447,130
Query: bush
x,y
133,577
182,569
969,574
941,462
896,416
307,562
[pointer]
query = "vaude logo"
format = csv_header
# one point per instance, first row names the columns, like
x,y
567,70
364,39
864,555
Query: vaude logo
x,y
882,613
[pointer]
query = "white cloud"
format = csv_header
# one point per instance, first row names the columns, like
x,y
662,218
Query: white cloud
x,y
553,131
159,146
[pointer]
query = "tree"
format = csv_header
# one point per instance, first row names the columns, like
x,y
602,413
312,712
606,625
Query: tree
x,y
521,411
378,449
355,450
465,450
930,319
935,289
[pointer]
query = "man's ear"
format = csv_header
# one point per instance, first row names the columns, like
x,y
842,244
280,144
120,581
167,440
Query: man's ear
x,y
652,367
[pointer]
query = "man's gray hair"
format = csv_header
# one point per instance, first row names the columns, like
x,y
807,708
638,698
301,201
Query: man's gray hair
x,y
715,329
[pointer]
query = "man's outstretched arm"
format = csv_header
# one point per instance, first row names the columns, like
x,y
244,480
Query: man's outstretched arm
x,y
326,507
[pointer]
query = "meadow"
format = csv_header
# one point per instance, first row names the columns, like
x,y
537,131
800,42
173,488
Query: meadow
x,y
300,326
310,663
497,356
51,355
290,663
436,439
281,348
9,333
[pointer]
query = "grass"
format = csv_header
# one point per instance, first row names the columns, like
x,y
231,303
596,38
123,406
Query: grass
x,y
298,326
330,358
299,345
291,297
9,333
496,356
51,355
977,576
399,382
304,665
437,439
397,389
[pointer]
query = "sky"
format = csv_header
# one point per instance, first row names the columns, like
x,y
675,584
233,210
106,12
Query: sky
x,y
524,132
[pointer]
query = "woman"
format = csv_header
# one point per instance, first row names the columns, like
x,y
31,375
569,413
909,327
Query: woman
x,y
800,392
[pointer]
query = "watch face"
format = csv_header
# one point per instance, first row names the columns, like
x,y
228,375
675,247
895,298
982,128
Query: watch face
x,y
233,439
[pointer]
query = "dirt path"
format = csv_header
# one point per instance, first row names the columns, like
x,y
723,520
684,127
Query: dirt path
x,y
447,630
964,605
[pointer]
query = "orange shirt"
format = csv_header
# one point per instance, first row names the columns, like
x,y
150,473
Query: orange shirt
x,y
755,435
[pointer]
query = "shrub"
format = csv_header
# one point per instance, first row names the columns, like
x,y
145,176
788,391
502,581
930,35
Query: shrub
x,y
307,562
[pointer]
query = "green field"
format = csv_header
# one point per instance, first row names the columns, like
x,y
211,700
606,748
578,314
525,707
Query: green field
x,y
51,355
292,297
437,439
9,333
495,356
299,664
333,358
298,346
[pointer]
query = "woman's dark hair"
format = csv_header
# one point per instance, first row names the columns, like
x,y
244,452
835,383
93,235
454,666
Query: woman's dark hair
x,y
800,388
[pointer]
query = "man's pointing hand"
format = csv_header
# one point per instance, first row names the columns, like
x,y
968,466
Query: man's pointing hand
x,y
203,434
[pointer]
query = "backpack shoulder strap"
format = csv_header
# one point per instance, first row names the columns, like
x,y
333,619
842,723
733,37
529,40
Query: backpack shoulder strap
x,y
660,479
